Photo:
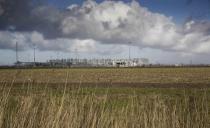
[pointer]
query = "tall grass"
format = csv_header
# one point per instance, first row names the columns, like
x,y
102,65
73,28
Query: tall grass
x,y
80,108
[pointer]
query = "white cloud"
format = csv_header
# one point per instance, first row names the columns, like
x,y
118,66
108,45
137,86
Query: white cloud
x,y
62,44
28,40
8,40
84,45
117,22
112,22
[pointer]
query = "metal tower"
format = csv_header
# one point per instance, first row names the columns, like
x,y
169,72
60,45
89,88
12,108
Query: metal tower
x,y
129,43
34,55
17,52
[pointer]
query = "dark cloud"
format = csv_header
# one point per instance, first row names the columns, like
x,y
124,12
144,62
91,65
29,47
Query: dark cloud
x,y
28,15
47,20
36,15
14,12
1,9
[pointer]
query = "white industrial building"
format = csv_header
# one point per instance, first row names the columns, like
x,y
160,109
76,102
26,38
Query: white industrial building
x,y
130,62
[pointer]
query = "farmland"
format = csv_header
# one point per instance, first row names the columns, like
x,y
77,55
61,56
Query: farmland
x,y
110,76
105,97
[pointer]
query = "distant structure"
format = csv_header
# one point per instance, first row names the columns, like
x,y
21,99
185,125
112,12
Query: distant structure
x,y
34,55
75,62
17,52
17,63
76,56
129,52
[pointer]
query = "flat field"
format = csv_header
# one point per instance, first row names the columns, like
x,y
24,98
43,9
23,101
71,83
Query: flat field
x,y
137,77
105,98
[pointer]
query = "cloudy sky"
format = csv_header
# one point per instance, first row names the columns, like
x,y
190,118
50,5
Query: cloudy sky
x,y
164,31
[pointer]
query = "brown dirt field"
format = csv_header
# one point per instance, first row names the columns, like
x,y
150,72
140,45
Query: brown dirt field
x,y
116,77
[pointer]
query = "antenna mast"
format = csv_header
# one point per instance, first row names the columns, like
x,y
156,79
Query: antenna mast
x,y
129,50
34,54
17,52
129,61
76,55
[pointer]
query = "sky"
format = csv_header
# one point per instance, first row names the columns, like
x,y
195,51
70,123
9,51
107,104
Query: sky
x,y
164,31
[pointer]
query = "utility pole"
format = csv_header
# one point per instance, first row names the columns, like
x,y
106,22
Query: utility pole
x,y
129,62
16,52
76,56
191,62
58,55
129,50
34,55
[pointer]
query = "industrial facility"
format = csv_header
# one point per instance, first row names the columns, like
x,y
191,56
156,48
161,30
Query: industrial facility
x,y
136,62
75,62
99,62
108,62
